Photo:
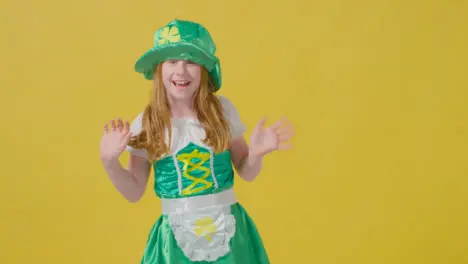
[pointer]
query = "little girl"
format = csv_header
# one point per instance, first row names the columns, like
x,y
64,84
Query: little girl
x,y
194,140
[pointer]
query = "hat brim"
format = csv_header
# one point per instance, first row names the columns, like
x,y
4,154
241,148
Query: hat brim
x,y
147,63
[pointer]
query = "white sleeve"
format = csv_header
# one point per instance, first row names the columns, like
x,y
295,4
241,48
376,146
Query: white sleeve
x,y
136,128
230,111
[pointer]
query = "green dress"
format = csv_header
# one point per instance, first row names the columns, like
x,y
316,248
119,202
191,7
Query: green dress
x,y
192,171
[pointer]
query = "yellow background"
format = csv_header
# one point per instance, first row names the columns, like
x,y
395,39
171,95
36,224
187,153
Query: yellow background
x,y
377,90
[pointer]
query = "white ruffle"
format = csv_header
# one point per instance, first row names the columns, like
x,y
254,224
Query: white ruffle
x,y
200,248
186,130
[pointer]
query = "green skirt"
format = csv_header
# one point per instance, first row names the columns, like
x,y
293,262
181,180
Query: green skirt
x,y
246,246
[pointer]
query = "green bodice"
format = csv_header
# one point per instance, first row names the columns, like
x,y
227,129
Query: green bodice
x,y
193,170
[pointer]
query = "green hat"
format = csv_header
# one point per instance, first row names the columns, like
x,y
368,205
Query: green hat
x,y
181,40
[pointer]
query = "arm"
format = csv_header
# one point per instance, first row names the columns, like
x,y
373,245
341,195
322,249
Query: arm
x,y
247,165
132,181
248,160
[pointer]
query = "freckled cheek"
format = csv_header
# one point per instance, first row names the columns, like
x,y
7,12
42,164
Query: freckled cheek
x,y
194,72
166,77
195,84
167,84
196,79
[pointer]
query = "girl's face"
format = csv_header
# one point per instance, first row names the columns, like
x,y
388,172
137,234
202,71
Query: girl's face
x,y
181,79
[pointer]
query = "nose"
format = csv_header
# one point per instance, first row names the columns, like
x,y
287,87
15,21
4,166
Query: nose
x,y
180,67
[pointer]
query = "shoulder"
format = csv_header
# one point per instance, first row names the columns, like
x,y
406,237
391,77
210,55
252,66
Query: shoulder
x,y
233,117
136,127
223,100
138,117
136,124
227,104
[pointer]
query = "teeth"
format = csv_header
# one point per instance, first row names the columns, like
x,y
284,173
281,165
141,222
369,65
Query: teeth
x,y
181,82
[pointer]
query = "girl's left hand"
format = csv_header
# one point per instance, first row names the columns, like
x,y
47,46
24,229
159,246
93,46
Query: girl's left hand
x,y
266,140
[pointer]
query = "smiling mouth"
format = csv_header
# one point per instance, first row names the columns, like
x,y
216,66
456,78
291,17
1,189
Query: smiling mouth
x,y
181,84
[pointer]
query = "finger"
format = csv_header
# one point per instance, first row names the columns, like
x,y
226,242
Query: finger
x,y
106,128
278,123
126,127
119,124
285,130
284,146
259,126
286,136
126,139
113,125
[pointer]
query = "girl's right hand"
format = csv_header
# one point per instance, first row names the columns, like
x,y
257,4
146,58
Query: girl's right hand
x,y
114,141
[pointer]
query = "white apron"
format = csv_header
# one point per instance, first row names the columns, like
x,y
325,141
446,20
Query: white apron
x,y
202,225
